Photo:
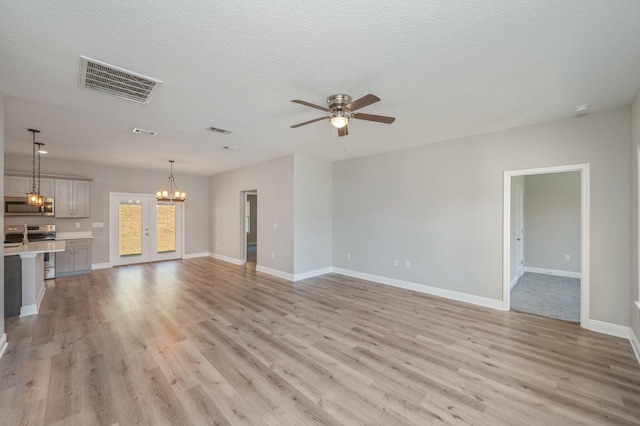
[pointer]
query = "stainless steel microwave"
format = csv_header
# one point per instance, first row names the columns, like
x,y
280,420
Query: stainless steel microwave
x,y
17,206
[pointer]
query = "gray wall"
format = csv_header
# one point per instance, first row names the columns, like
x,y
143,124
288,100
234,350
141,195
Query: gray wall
x,y
108,179
515,180
635,133
273,181
312,214
440,207
552,221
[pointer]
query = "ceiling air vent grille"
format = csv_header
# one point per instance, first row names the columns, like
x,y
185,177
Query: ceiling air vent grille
x,y
116,81
218,130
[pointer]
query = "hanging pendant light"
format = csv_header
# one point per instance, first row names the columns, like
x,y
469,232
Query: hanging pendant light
x,y
34,198
171,193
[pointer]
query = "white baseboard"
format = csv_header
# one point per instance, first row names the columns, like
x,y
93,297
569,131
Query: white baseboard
x,y
555,272
513,283
435,291
276,273
635,344
195,255
3,344
227,259
101,266
311,274
607,328
27,310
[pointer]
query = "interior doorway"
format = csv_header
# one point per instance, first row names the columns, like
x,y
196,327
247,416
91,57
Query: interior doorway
x,y
142,229
514,206
251,228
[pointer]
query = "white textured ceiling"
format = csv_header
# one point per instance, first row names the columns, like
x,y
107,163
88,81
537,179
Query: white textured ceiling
x,y
444,69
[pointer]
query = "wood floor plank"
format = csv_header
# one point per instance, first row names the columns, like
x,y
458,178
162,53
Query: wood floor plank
x,y
201,341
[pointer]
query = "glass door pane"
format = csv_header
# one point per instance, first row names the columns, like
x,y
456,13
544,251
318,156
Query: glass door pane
x,y
165,228
130,241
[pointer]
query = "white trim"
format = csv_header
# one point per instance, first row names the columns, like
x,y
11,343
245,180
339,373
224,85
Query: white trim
x,y
553,272
106,265
635,344
514,281
435,291
637,302
276,273
195,255
3,344
608,328
585,219
227,259
311,274
28,310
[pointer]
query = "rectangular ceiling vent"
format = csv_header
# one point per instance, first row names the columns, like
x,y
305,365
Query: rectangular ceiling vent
x,y
218,130
144,132
116,81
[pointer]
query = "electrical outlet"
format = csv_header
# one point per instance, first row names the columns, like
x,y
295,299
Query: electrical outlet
x,y
273,254
567,257
395,263
98,224
275,225
349,256
407,264
77,224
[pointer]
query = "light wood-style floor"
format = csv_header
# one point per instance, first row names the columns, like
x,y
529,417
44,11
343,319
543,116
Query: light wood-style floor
x,y
202,342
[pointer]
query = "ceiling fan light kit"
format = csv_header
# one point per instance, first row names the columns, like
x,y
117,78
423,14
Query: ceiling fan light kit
x,y
342,109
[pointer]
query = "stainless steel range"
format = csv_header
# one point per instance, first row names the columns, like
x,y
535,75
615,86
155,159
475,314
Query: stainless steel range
x,y
15,234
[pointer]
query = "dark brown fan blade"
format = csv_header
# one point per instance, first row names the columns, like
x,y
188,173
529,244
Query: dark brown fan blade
x,y
362,102
309,122
343,131
373,117
310,104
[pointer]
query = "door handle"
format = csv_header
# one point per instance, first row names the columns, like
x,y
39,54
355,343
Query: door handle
x,y
518,239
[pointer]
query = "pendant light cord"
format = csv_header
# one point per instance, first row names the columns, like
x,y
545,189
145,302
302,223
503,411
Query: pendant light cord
x,y
33,175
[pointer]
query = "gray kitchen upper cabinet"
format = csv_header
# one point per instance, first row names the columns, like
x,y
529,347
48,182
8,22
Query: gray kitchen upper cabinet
x,y
72,198
18,186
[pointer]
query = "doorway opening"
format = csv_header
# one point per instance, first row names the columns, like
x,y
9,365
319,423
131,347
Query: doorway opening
x,y
546,241
142,229
250,230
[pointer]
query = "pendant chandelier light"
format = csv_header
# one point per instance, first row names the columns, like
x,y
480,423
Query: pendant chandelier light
x,y
171,193
34,198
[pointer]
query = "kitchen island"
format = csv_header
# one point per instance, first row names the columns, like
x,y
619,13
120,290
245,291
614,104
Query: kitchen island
x,y
32,267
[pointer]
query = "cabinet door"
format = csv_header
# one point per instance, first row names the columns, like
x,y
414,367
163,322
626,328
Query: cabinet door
x,y
64,261
81,198
16,186
82,258
64,197
47,188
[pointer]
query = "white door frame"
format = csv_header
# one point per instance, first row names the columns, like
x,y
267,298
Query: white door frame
x,y
113,224
519,232
584,232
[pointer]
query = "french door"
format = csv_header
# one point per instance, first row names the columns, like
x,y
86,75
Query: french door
x,y
143,229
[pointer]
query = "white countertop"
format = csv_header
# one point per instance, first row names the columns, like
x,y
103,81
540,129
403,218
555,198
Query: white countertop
x,y
74,235
35,248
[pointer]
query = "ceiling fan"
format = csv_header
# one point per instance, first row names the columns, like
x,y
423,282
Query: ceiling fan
x,y
342,109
